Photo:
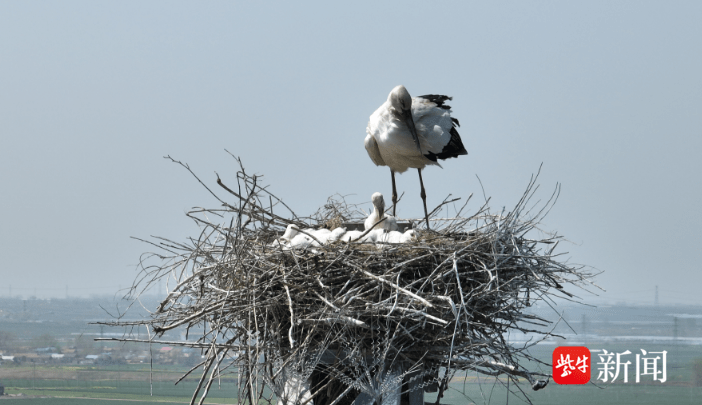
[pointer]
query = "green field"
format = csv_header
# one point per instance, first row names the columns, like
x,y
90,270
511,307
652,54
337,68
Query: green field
x,y
555,394
135,390
78,401
459,394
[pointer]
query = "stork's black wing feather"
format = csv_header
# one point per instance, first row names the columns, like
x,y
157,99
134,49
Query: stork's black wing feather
x,y
439,100
454,148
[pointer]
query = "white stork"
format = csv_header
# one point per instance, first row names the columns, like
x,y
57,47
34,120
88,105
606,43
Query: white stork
x,y
389,223
412,132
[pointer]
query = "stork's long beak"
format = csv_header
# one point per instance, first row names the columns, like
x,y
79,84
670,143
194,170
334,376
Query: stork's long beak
x,y
407,115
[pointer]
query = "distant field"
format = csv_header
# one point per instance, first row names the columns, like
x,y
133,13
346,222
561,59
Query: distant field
x,y
130,384
553,394
122,390
78,401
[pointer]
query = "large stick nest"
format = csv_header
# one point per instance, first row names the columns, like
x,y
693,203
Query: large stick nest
x,y
428,308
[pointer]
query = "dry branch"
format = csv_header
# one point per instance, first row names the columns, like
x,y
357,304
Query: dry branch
x,y
354,311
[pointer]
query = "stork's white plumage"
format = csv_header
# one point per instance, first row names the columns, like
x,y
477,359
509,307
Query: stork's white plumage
x,y
395,236
290,232
350,236
336,234
389,222
412,132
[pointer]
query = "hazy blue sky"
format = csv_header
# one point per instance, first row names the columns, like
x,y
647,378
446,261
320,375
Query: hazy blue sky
x,y
608,95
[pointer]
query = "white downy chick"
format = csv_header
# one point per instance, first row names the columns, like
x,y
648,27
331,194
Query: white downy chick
x,y
376,235
389,224
303,240
350,235
290,232
408,236
397,237
336,234
390,237
300,241
284,241
322,236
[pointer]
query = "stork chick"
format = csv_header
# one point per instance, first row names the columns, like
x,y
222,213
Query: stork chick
x,y
389,223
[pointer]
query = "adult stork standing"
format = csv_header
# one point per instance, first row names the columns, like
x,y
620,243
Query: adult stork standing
x,y
412,132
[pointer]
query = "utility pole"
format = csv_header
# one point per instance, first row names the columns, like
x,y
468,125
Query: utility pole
x,y
675,333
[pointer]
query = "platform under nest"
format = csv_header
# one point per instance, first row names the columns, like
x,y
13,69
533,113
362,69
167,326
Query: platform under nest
x,y
359,314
